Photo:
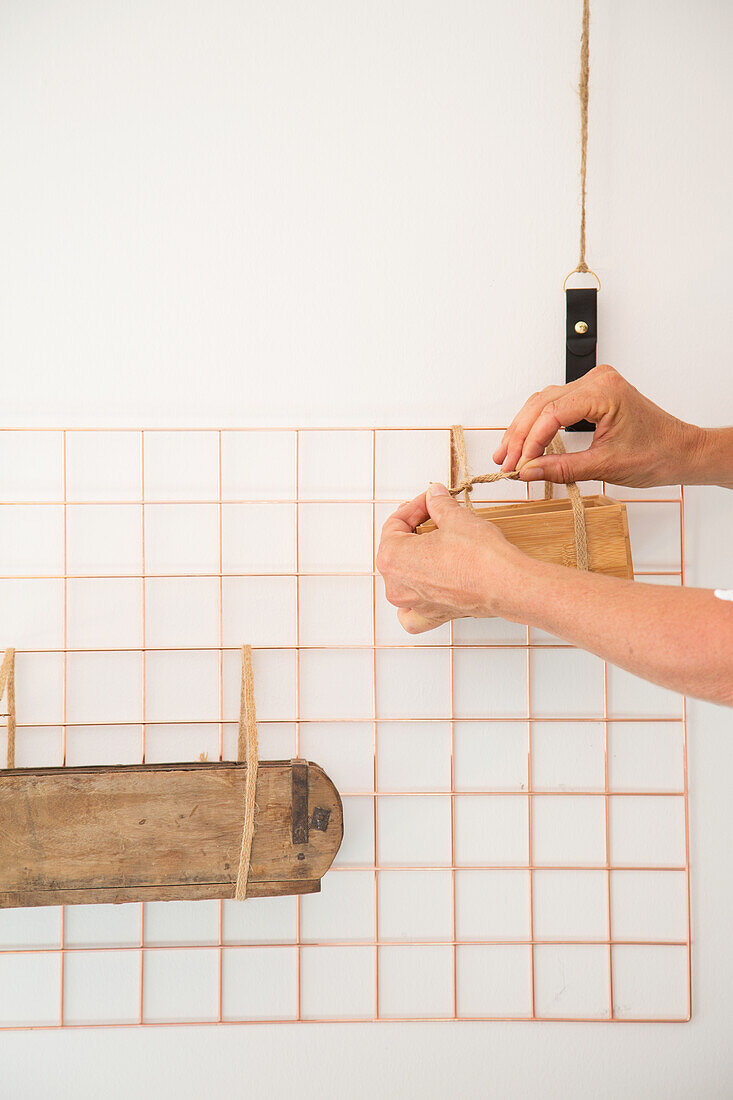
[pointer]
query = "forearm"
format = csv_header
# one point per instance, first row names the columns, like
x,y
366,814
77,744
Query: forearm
x,y
709,460
680,638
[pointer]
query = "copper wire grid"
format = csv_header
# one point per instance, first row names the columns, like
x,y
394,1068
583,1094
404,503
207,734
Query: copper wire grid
x,y
608,942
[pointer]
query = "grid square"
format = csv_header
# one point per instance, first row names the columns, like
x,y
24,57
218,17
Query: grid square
x,y
101,986
646,756
649,905
259,983
104,613
569,829
414,830
631,697
30,927
258,538
33,540
30,983
415,905
553,670
271,920
492,905
181,538
490,681
321,478
416,981
345,751
182,686
36,747
258,465
568,756
491,756
570,905
39,690
103,687
181,465
494,981
337,982
103,466
413,683
492,829
336,684
103,539
406,462
33,613
572,981
169,922
181,611
343,910
336,610
647,831
180,984
103,926
480,447
31,465
413,756
335,538
258,610
277,740
274,675
651,983
177,743
357,847
107,744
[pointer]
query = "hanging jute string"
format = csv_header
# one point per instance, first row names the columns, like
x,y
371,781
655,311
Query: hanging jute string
x,y
247,752
463,482
7,688
583,93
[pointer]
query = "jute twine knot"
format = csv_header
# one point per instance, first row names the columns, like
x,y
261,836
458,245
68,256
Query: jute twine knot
x,y
462,482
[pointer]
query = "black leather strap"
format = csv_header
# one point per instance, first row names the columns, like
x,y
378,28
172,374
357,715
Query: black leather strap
x,y
580,347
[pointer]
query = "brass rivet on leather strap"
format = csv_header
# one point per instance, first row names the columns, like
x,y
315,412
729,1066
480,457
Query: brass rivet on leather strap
x,y
581,327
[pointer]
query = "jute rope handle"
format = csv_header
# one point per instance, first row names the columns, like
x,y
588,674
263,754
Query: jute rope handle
x,y
247,753
7,686
464,483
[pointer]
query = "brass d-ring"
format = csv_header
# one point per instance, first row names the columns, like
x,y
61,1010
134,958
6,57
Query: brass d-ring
x,y
576,272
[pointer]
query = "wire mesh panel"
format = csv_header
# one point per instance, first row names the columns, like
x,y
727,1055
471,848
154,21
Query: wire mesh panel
x,y
515,810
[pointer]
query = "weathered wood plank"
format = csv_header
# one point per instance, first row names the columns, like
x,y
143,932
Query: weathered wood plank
x,y
159,831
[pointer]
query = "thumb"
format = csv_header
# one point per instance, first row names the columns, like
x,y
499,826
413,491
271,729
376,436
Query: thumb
x,y
443,508
579,466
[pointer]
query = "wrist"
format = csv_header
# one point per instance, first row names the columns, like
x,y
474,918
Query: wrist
x,y
508,573
710,457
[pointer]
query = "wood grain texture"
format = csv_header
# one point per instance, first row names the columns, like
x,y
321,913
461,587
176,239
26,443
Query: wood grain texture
x,y
544,530
158,832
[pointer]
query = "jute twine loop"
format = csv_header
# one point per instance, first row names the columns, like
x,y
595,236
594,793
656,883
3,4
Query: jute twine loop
x,y
247,752
462,482
583,93
7,686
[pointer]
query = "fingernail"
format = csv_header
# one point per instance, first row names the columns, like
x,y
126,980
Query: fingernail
x,y
435,489
534,473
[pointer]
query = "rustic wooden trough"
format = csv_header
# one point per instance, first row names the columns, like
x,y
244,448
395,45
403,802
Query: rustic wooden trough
x,y
544,529
162,832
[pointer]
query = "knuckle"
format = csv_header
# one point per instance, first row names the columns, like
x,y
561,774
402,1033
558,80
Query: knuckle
x,y
385,559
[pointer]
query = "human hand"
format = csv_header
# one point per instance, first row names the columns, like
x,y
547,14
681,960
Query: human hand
x,y
464,568
635,442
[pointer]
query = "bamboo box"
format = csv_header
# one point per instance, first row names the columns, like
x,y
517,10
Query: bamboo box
x,y
544,530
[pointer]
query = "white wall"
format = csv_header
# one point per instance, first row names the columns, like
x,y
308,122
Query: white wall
x,y
362,212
